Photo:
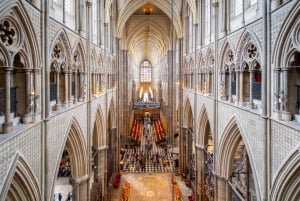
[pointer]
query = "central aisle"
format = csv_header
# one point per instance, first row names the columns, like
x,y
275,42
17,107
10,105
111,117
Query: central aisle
x,y
150,187
148,156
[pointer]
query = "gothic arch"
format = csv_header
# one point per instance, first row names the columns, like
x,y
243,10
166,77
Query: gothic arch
x,y
20,184
76,147
93,59
247,38
15,12
210,59
79,49
188,114
132,6
191,65
202,128
230,138
287,37
286,183
62,40
225,57
99,139
5,59
111,115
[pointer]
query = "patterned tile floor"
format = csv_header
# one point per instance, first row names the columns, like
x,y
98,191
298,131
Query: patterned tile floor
x,y
149,187
131,165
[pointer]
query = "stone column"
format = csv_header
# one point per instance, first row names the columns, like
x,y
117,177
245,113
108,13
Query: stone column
x,y
75,99
237,87
70,88
83,190
66,101
75,192
276,93
36,90
241,83
230,87
250,103
223,86
57,105
27,118
222,189
7,126
81,85
286,115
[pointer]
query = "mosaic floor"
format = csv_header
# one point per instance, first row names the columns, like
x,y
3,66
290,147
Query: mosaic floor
x,y
149,187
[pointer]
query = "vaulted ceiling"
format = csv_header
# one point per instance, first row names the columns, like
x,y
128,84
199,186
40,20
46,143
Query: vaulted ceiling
x,y
145,26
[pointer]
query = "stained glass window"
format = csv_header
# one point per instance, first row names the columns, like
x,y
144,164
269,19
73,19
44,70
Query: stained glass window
x,y
146,72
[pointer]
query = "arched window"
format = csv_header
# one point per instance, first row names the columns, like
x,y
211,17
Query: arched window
x,y
146,72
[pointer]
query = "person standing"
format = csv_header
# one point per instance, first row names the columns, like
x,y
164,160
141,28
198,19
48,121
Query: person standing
x,y
59,196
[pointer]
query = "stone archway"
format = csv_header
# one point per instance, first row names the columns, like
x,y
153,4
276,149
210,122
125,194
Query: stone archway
x,y
74,158
98,158
235,178
21,184
112,144
286,183
205,158
187,151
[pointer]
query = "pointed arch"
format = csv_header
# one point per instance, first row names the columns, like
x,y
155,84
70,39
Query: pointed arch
x,y
202,127
227,46
289,31
100,63
79,47
93,58
286,183
132,6
230,138
62,39
99,132
20,184
111,115
16,11
246,38
188,114
191,65
5,59
76,147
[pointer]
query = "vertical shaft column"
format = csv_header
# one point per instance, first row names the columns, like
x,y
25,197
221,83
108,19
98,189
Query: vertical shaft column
x,y
286,115
276,92
237,87
70,88
75,99
29,101
7,126
57,105
66,101
250,104
241,83
230,87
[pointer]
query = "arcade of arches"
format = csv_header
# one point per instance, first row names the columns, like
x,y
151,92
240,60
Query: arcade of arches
x,y
201,95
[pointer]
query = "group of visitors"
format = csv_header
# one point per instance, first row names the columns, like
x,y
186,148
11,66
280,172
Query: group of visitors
x,y
59,197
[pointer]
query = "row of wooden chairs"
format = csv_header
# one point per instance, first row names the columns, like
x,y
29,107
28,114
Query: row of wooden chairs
x,y
158,131
136,130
